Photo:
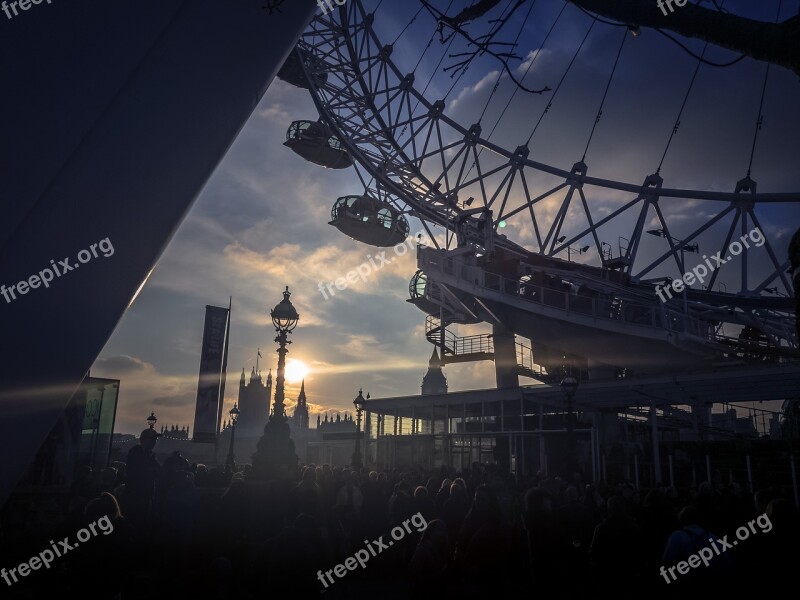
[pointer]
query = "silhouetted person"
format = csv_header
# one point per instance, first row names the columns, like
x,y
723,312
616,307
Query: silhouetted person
x,y
575,529
455,510
482,547
431,563
442,495
423,504
658,520
542,539
690,539
309,494
104,560
350,494
785,550
142,471
616,547
175,462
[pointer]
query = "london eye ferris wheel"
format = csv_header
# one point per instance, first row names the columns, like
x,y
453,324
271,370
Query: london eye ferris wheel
x,y
567,209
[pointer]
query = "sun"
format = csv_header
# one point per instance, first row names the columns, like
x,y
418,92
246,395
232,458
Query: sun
x,y
296,370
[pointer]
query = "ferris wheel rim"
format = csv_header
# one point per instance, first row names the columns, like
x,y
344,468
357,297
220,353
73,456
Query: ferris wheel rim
x,y
569,176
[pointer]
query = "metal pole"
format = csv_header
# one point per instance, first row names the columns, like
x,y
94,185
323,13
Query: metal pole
x,y
656,453
542,458
572,458
278,406
708,467
603,461
794,481
511,452
231,457
636,469
367,433
357,453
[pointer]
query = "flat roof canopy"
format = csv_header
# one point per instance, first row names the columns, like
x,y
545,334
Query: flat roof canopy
x,y
742,384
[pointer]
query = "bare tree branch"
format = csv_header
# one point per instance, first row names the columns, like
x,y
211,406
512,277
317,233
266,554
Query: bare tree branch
x,y
483,44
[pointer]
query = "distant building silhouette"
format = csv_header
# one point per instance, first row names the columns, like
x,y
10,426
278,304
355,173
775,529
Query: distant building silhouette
x,y
300,420
434,381
175,433
254,400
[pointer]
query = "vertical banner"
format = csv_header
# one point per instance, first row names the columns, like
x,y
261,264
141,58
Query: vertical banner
x,y
224,366
206,416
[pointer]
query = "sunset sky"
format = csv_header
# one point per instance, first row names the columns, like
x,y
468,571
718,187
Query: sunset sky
x,y
261,222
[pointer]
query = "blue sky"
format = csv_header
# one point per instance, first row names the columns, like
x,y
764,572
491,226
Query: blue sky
x,y
261,221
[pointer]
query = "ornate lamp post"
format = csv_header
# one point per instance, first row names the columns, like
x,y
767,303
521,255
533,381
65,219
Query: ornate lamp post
x,y
284,318
234,413
569,385
151,420
359,403
275,450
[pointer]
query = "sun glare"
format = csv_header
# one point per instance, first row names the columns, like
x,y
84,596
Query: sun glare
x,y
296,370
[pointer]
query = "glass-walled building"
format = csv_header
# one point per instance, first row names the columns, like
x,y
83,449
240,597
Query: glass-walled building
x,y
81,437
505,427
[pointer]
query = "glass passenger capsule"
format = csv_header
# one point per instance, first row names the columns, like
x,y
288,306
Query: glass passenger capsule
x,y
313,141
369,220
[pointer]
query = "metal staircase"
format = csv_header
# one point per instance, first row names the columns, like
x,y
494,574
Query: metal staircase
x,y
458,349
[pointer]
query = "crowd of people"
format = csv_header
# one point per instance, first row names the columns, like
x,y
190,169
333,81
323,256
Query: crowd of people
x,y
183,530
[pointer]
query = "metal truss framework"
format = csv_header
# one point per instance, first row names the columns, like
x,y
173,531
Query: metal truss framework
x,y
409,152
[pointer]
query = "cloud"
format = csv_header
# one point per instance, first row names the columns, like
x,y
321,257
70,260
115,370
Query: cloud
x,y
185,399
484,83
120,365
539,57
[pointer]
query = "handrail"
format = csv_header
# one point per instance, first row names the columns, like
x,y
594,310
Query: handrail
x,y
476,344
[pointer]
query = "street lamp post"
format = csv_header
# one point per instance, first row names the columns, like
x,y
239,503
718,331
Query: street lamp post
x,y
151,420
234,413
275,452
284,318
569,385
359,403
